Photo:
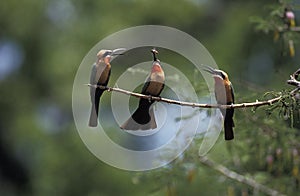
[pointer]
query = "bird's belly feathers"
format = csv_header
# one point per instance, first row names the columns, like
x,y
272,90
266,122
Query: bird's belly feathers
x,y
223,94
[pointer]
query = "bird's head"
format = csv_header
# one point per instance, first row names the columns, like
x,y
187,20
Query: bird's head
x,y
216,73
156,67
154,53
105,55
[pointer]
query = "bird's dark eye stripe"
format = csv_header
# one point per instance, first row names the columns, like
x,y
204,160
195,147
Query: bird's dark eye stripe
x,y
223,76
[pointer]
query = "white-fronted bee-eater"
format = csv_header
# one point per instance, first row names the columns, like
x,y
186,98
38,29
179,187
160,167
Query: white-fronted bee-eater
x,y
225,96
143,118
100,76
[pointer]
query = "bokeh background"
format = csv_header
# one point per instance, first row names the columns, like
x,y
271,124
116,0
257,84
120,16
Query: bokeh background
x,y
42,43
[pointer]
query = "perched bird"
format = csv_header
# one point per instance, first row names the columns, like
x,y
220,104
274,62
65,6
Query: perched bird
x,y
100,76
224,95
143,118
289,17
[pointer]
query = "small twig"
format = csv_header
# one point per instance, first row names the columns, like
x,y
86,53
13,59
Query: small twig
x,y
296,73
293,92
238,177
285,29
294,82
295,29
190,104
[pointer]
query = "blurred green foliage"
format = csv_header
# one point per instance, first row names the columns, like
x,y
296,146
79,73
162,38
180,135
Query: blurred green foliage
x,y
41,152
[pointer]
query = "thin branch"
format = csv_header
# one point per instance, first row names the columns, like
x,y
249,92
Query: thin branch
x,y
286,29
235,176
294,82
190,104
296,73
295,29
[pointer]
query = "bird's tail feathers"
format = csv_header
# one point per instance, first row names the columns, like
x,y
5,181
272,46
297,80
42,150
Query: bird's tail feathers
x,y
228,127
93,122
141,119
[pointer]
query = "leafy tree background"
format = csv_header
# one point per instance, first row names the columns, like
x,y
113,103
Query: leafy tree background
x,y
41,46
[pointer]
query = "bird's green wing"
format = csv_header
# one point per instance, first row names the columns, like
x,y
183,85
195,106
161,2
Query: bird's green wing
x,y
232,93
146,85
93,79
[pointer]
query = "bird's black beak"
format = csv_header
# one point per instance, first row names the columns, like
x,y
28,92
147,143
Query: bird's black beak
x,y
214,72
209,69
118,51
